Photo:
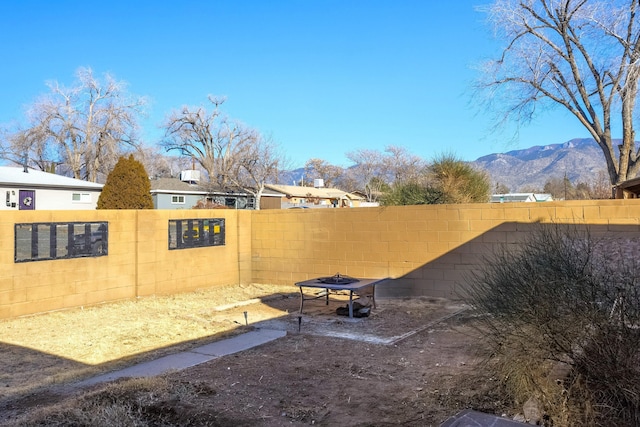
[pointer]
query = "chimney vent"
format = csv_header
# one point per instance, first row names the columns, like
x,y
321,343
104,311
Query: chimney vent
x,y
190,176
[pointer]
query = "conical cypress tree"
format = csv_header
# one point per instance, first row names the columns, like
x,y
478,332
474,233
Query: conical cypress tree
x,y
127,187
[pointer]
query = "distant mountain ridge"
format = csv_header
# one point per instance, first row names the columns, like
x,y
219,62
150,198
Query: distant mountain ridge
x,y
530,168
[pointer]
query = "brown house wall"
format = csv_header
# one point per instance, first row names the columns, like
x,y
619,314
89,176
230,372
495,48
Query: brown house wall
x,y
270,203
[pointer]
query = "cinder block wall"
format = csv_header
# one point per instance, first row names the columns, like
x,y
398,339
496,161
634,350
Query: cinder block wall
x,y
139,262
161,271
426,250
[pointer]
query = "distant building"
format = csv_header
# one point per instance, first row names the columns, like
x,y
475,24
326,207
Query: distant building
x,y
30,189
377,195
294,196
521,197
185,192
629,189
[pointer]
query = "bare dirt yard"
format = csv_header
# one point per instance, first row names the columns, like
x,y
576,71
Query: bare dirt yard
x,y
412,362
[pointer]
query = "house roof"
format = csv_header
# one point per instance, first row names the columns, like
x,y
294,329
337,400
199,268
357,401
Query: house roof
x,y
631,185
270,192
176,186
323,193
521,197
12,176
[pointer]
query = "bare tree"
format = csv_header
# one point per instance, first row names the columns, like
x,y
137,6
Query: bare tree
x,y
501,188
564,189
85,127
581,55
231,153
560,188
156,163
374,171
211,139
258,160
599,188
402,166
19,145
321,169
368,172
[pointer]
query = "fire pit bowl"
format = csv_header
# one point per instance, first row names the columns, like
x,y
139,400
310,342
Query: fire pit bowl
x,y
338,279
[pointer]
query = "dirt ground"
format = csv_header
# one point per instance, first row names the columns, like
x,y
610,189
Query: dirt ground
x,y
412,362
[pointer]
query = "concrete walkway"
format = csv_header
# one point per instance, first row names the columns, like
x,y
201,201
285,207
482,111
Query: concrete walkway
x,y
187,359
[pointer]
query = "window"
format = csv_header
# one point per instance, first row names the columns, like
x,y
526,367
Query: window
x,y
177,200
11,198
81,197
53,240
196,233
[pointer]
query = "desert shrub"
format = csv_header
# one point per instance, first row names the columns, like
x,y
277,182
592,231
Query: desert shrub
x,y
447,180
412,193
127,187
459,181
561,300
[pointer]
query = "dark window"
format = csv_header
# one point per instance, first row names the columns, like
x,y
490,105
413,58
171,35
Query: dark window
x,y
55,240
196,233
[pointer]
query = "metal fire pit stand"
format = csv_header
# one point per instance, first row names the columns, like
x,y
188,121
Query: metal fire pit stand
x,y
357,287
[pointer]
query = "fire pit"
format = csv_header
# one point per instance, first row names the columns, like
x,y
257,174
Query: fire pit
x,y
339,282
338,279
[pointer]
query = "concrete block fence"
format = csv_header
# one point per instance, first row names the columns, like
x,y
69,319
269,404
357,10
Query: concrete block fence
x,y
425,250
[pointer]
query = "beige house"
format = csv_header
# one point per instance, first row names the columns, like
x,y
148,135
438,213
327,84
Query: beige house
x,y
629,189
293,196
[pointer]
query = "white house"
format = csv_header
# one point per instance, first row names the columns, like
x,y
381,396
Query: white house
x,y
29,189
521,197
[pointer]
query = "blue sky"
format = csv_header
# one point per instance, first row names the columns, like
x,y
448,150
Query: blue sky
x,y
323,77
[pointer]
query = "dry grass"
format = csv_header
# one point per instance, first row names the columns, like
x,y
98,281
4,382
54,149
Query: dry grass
x,y
135,402
301,379
56,347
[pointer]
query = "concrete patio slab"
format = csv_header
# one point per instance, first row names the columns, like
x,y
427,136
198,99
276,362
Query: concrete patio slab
x,y
189,358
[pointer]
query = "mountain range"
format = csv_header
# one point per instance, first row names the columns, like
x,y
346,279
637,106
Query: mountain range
x,y
579,160
529,169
